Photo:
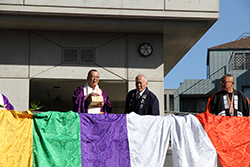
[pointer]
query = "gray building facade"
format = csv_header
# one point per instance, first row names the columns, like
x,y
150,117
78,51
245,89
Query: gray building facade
x,y
232,58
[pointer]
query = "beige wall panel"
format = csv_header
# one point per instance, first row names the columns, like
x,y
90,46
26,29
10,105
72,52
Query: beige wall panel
x,y
112,56
75,39
59,72
113,12
17,91
11,2
46,51
118,74
14,53
151,74
134,4
158,89
17,71
131,85
62,72
150,66
44,55
195,5
96,40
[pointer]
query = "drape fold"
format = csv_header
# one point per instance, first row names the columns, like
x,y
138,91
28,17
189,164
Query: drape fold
x,y
16,143
230,137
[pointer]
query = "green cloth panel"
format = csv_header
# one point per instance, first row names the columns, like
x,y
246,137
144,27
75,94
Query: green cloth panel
x,y
56,139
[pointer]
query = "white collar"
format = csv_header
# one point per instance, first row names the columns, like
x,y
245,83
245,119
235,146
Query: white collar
x,y
140,92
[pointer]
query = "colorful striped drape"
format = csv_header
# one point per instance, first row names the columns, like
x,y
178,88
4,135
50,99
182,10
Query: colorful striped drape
x,y
112,140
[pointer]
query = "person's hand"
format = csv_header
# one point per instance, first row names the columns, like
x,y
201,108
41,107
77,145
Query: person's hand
x,y
94,94
100,104
91,94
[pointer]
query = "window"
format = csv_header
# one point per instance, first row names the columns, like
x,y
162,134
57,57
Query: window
x,y
171,102
193,104
78,55
165,102
241,61
168,102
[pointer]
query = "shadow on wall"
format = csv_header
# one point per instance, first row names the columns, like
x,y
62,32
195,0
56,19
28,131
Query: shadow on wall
x,y
55,48
56,95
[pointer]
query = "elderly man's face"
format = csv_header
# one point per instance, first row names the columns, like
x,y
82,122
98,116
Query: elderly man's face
x,y
141,83
227,84
93,79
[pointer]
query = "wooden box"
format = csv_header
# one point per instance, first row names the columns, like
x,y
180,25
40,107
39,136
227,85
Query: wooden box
x,y
94,100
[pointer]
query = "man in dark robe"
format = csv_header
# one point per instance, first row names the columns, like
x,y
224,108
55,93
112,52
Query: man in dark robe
x,y
228,101
141,100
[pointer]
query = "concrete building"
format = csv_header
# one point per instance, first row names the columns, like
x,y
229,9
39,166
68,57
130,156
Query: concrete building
x,y
232,58
169,100
48,46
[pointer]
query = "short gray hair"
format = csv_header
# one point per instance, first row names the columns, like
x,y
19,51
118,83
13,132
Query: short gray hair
x,y
143,76
228,75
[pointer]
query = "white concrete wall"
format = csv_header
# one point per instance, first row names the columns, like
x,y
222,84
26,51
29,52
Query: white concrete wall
x,y
14,82
17,92
14,49
148,8
151,66
117,53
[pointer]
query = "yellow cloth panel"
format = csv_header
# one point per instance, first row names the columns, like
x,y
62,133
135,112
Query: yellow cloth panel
x,y
16,139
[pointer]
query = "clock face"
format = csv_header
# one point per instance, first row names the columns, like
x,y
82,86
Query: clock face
x,y
145,49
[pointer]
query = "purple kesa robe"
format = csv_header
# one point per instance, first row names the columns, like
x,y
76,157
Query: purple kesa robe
x,y
79,105
6,104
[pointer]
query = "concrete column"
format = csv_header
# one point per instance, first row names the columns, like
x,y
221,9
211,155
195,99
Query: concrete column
x,y
17,91
167,102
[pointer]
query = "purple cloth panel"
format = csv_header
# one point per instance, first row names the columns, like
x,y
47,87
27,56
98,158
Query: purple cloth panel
x,y
104,140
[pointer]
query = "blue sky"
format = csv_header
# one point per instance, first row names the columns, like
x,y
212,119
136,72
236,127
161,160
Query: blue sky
x,y
234,20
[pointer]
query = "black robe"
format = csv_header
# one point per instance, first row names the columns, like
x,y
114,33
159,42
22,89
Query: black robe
x,y
217,104
148,103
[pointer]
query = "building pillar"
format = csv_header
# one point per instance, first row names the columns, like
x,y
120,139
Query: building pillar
x,y
17,92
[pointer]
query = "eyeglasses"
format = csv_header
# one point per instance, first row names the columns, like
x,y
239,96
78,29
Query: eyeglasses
x,y
95,77
225,82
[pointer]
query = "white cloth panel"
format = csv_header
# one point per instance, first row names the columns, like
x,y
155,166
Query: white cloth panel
x,y
88,90
148,139
191,146
236,102
1,100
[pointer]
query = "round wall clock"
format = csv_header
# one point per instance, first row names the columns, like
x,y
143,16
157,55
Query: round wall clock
x,y
145,49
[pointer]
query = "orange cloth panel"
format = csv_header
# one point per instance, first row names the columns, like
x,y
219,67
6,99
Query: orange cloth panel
x,y
16,139
230,137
